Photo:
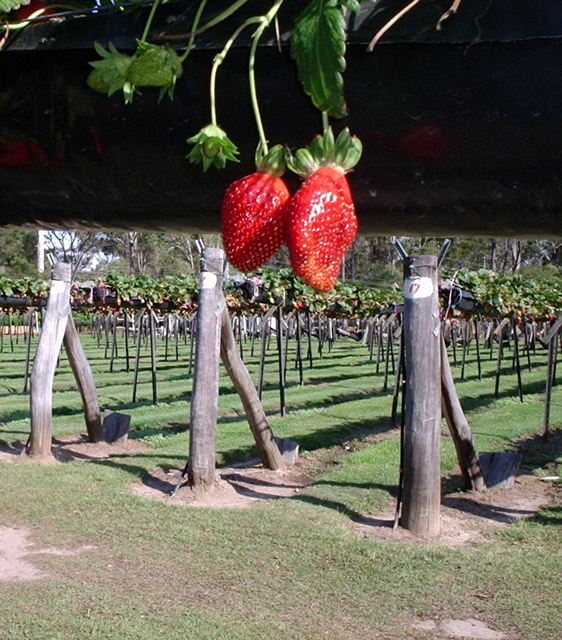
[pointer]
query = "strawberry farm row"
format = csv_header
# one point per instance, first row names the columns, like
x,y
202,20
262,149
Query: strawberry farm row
x,y
483,293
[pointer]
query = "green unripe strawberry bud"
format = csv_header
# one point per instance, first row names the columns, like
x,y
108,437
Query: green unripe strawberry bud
x,y
96,82
211,147
150,69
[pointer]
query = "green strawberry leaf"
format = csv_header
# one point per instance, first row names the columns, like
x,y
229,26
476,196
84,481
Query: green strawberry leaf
x,y
318,47
7,5
352,5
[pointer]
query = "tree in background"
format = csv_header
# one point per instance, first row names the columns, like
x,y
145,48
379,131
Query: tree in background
x,y
156,254
84,250
18,253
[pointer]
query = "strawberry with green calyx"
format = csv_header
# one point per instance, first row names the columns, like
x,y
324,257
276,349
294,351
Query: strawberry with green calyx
x,y
110,74
319,223
211,146
155,66
252,212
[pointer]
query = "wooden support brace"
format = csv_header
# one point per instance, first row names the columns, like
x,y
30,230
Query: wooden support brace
x,y
459,427
265,441
85,381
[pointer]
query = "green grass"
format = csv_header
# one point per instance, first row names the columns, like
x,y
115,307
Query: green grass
x,y
284,569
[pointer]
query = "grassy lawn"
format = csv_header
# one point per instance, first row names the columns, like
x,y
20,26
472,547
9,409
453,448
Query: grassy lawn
x,y
287,568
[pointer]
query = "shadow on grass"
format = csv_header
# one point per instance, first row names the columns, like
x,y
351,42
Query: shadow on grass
x,y
340,507
488,399
338,434
503,515
549,517
539,451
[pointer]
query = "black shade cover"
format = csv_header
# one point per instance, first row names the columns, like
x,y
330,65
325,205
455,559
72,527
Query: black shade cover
x,y
462,127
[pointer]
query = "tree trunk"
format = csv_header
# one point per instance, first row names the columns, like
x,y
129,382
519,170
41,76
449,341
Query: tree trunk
x,y
459,427
204,398
422,477
48,349
85,381
493,254
265,442
41,251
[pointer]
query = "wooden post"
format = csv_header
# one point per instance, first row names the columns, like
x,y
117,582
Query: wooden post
x,y
139,322
459,427
477,342
551,339
43,371
299,349
265,441
153,372
422,477
281,360
126,331
28,348
204,398
85,380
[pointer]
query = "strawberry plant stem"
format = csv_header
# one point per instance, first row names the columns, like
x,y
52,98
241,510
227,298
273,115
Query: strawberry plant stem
x,y
218,60
222,16
380,33
325,122
264,22
149,20
194,26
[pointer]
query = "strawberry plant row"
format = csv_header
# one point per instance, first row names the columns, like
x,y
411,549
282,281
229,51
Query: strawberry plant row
x,y
492,295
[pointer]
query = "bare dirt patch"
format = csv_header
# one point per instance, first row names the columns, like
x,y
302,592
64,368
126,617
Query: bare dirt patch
x,y
236,487
17,552
68,448
470,628
466,517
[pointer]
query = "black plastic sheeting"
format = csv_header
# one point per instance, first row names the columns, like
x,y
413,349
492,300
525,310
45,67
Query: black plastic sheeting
x,y
461,127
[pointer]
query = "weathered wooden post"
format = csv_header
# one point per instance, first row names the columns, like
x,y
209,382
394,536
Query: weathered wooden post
x,y
265,440
85,381
459,427
204,398
422,476
551,340
43,371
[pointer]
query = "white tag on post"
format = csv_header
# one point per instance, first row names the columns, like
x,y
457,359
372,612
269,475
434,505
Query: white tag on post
x,y
418,288
208,280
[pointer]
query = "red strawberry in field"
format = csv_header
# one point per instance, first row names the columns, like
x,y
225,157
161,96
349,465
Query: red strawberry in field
x,y
320,224
252,213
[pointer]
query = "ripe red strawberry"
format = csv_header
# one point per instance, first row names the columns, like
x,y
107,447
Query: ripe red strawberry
x,y
252,213
320,224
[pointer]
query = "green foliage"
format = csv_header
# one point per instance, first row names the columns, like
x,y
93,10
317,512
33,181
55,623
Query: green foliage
x,y
18,252
346,299
511,295
178,292
28,287
318,46
497,295
7,5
